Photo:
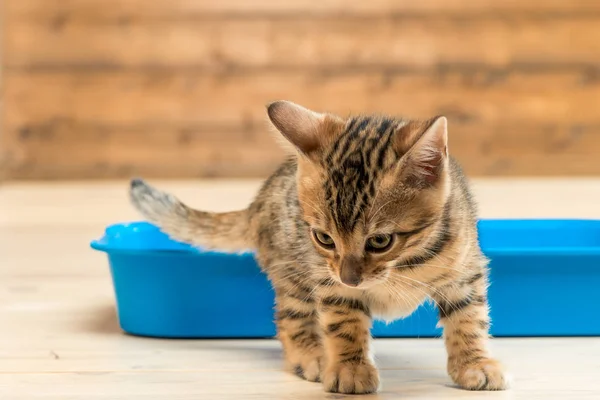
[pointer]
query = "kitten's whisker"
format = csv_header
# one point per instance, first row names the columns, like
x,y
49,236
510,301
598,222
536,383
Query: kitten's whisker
x,y
429,265
434,290
396,224
278,278
314,208
396,297
414,287
402,296
284,264
428,295
314,290
373,215
436,257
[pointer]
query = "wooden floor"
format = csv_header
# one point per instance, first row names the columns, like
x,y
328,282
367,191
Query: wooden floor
x,y
59,337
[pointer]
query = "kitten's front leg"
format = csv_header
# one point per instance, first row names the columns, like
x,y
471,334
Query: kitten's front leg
x,y
464,314
345,323
298,331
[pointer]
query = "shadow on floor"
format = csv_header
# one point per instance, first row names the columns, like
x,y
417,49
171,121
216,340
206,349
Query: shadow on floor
x,y
103,320
268,349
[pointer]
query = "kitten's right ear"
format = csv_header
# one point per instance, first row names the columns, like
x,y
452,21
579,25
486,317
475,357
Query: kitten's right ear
x,y
303,128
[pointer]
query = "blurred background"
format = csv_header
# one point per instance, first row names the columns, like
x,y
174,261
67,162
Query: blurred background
x,y
93,92
99,89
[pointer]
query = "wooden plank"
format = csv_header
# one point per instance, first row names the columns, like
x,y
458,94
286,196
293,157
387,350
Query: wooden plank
x,y
102,152
164,153
170,8
162,124
238,97
529,150
303,43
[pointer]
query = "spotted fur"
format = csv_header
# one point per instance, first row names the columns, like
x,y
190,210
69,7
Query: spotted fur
x,y
354,179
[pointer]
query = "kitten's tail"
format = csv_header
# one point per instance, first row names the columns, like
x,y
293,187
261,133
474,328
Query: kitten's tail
x,y
224,231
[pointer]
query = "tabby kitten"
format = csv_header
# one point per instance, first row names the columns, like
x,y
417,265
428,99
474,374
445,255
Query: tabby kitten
x,y
370,218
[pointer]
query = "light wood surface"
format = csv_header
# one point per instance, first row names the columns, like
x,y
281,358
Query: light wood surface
x,y
59,337
163,125
153,88
167,8
330,41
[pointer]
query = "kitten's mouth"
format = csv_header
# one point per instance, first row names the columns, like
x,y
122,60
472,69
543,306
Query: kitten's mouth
x,y
356,286
339,280
362,285
368,282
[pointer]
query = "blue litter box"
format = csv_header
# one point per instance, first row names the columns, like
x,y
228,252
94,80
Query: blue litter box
x,y
545,281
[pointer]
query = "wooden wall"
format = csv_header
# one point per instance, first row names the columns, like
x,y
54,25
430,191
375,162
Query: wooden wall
x,y
177,88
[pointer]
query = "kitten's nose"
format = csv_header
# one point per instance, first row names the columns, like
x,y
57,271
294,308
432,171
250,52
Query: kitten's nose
x,y
351,271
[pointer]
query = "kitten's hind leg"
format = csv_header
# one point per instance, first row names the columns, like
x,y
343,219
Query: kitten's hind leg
x,y
464,314
298,331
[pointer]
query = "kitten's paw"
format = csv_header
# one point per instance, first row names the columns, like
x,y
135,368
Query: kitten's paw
x,y
309,368
351,378
487,374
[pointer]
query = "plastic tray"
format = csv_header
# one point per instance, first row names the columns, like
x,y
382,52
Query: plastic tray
x,y
545,281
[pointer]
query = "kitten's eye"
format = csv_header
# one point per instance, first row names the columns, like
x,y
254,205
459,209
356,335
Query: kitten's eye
x,y
379,243
324,239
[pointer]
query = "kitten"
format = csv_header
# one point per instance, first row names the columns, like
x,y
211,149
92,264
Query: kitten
x,y
370,218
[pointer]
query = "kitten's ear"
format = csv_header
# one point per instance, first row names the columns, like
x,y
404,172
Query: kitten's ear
x,y
305,129
427,160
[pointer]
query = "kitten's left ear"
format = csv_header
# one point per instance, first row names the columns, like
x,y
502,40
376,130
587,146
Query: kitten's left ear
x,y
307,130
427,160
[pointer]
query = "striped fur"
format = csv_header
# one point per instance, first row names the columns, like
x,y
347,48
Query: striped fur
x,y
351,180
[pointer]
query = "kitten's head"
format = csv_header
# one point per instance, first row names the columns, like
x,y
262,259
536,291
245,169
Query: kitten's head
x,y
372,189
